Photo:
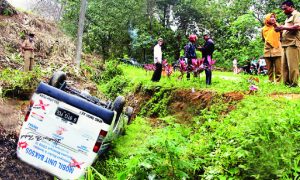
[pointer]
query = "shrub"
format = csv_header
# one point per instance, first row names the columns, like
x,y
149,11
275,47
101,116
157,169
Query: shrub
x,y
163,155
111,70
252,144
116,86
18,83
157,106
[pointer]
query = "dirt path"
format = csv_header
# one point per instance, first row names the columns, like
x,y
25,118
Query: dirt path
x,y
11,115
286,96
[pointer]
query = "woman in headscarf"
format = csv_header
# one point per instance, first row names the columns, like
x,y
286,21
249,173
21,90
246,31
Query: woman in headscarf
x,y
272,48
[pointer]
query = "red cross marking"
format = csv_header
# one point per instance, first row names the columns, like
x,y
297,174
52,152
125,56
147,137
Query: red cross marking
x,y
75,163
42,105
22,144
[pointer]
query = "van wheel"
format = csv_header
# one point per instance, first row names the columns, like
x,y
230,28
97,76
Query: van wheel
x,y
129,112
57,80
118,106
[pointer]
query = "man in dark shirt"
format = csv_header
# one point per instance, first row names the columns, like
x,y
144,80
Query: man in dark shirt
x,y
207,52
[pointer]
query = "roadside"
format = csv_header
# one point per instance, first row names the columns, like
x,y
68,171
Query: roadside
x,y
54,51
11,115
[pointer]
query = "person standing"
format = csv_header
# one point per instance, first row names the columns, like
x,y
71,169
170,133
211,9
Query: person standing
x,y
290,43
157,60
28,52
272,48
207,53
261,66
235,68
190,53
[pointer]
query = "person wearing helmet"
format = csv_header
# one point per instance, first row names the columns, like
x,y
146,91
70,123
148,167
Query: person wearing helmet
x,y
190,53
27,51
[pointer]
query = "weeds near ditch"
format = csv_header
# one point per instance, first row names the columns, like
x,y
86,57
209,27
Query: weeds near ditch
x,y
17,83
254,137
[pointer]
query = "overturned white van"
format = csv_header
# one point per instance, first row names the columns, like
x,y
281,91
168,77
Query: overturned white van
x,y
64,130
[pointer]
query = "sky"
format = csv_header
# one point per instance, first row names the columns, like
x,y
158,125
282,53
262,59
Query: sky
x,y
21,4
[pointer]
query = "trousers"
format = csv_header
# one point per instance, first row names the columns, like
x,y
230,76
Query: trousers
x,y
29,61
274,68
157,73
290,65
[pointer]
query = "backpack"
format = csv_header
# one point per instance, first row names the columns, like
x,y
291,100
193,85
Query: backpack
x,y
190,51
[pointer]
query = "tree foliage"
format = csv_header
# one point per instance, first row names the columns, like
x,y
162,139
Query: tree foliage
x,y
128,27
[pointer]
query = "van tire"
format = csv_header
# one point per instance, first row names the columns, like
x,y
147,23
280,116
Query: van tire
x,y
129,112
57,80
118,106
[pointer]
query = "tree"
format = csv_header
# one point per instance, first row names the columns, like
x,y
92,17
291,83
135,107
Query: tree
x,y
234,25
166,7
80,32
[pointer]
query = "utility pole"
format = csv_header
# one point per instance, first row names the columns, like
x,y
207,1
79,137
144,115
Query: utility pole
x,y
80,32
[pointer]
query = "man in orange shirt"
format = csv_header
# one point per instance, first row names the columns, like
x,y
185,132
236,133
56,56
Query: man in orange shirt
x,y
28,52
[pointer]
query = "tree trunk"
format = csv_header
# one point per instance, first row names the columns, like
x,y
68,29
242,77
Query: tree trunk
x,y
165,15
144,54
178,47
80,32
60,13
150,12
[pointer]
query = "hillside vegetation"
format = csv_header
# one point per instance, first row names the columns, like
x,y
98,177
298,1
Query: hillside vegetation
x,y
184,129
54,51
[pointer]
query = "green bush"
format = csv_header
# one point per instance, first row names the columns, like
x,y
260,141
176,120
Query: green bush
x,y
111,70
92,70
18,83
157,106
255,138
164,157
252,142
116,86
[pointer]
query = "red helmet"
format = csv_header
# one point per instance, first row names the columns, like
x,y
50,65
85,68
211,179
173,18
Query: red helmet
x,y
193,38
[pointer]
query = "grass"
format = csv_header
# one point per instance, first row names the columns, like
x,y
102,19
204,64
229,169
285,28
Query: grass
x,y
256,140
221,81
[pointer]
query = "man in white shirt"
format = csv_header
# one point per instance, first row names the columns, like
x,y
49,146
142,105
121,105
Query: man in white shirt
x,y
261,64
157,60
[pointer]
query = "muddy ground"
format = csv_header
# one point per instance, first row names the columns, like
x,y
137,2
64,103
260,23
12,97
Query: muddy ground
x,y
184,104
11,115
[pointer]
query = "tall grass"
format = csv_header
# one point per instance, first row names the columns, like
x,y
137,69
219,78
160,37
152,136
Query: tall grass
x,y
221,81
258,139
